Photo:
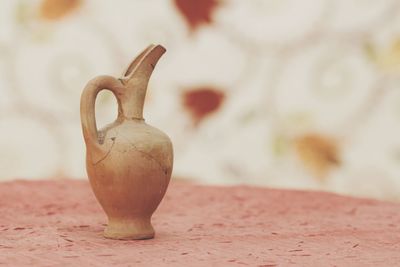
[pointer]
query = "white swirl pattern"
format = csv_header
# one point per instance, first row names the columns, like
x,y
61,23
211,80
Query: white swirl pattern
x,y
311,95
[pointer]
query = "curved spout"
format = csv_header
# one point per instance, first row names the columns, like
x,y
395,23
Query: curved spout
x,y
136,78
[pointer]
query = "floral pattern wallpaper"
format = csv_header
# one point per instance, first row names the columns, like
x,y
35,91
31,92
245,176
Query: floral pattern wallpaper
x,y
283,93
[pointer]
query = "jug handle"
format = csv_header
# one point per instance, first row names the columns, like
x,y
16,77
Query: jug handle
x,y
88,101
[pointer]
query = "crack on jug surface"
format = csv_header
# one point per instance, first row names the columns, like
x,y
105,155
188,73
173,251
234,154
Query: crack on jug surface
x,y
97,161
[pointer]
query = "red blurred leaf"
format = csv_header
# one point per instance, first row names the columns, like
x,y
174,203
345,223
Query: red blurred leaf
x,y
196,12
203,101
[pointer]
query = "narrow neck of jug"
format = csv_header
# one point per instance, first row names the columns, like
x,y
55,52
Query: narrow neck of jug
x,y
136,79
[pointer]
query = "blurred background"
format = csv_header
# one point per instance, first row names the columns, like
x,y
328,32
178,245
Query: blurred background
x,y
283,93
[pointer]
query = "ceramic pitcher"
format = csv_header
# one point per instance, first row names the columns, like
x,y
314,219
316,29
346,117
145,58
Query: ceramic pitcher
x,y
129,162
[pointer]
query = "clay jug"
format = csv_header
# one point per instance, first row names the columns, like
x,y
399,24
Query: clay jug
x,y
129,162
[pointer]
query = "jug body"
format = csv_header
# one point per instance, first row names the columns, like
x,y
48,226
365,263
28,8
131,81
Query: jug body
x,y
131,180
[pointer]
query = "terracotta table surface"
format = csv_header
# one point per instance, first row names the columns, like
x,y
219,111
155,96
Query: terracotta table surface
x,y
59,223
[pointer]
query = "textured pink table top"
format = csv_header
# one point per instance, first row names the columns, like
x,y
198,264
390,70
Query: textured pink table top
x,y
59,223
